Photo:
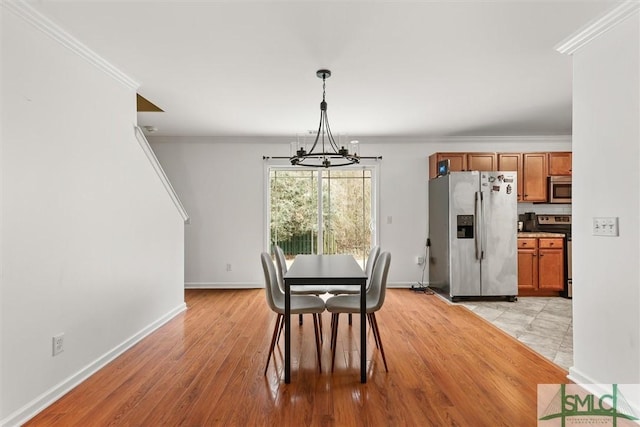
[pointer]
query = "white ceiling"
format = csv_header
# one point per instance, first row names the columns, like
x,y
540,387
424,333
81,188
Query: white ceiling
x,y
400,68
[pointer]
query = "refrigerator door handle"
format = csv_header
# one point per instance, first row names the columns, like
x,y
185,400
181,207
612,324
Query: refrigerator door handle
x,y
476,235
483,224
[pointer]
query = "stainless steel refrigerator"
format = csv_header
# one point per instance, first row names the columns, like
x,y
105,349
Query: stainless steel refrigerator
x,y
473,234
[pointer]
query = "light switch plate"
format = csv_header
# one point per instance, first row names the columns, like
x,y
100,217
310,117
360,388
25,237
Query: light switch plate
x,y
605,226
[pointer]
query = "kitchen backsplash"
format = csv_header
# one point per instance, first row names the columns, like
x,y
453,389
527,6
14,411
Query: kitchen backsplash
x,y
544,208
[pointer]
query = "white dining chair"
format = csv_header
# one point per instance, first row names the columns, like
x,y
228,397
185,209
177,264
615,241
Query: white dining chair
x,y
368,268
299,304
351,304
352,290
281,264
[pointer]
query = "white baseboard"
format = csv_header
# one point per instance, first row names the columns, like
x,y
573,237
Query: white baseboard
x,y
400,284
579,378
595,387
260,285
223,285
32,408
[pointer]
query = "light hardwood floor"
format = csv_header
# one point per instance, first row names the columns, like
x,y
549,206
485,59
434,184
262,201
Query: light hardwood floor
x,y
447,367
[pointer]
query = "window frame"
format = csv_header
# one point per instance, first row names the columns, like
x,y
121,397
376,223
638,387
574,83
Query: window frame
x,y
276,165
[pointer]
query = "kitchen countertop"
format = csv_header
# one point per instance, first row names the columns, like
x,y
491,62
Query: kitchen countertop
x,y
533,234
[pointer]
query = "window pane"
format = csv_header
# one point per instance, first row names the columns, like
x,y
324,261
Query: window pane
x,y
294,212
346,213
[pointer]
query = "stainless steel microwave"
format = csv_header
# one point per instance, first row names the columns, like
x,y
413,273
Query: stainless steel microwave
x,y
559,189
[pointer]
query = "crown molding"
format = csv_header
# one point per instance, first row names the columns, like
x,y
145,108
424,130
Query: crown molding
x,y
370,139
508,138
469,139
30,15
594,29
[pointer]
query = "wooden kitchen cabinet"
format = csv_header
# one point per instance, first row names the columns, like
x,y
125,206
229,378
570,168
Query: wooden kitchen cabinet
x,y
540,266
482,162
551,264
560,163
534,177
512,162
532,174
457,162
532,168
527,264
460,162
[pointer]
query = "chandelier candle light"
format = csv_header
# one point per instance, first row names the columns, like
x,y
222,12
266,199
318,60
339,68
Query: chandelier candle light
x,y
330,155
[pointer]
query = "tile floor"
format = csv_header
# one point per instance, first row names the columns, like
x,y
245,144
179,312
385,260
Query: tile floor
x,y
543,324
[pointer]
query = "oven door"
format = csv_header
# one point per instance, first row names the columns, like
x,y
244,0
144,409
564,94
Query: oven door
x,y
560,189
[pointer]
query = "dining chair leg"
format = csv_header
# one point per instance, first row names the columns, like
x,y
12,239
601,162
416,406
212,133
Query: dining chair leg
x,y
333,319
331,338
280,331
334,340
316,329
377,332
279,320
320,326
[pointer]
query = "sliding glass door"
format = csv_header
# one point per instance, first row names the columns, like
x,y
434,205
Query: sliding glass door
x,y
322,211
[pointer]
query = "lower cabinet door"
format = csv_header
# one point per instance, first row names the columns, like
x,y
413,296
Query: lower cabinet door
x,y
527,269
551,269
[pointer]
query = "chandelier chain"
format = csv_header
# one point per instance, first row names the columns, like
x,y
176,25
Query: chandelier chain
x,y
323,86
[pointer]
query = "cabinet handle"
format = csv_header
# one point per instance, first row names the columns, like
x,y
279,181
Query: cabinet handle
x,y
551,244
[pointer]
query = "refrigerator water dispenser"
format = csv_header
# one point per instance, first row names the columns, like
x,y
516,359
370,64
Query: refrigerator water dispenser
x,y
465,226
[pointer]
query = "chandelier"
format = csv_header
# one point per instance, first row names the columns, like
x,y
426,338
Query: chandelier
x,y
328,153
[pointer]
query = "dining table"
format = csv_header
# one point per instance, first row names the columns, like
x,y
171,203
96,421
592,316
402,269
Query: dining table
x,y
324,270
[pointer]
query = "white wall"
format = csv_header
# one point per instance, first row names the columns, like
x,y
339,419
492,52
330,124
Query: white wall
x,y
221,183
92,245
1,216
606,165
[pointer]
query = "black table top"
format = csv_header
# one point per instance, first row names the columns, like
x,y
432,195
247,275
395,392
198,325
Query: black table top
x,y
324,269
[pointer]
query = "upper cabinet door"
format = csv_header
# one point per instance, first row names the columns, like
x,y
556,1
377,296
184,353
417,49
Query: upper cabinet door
x,y
560,163
512,162
534,177
482,162
457,162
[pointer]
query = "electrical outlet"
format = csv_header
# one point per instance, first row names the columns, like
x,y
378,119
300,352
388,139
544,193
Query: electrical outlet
x,y
228,267
58,344
607,226
419,260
